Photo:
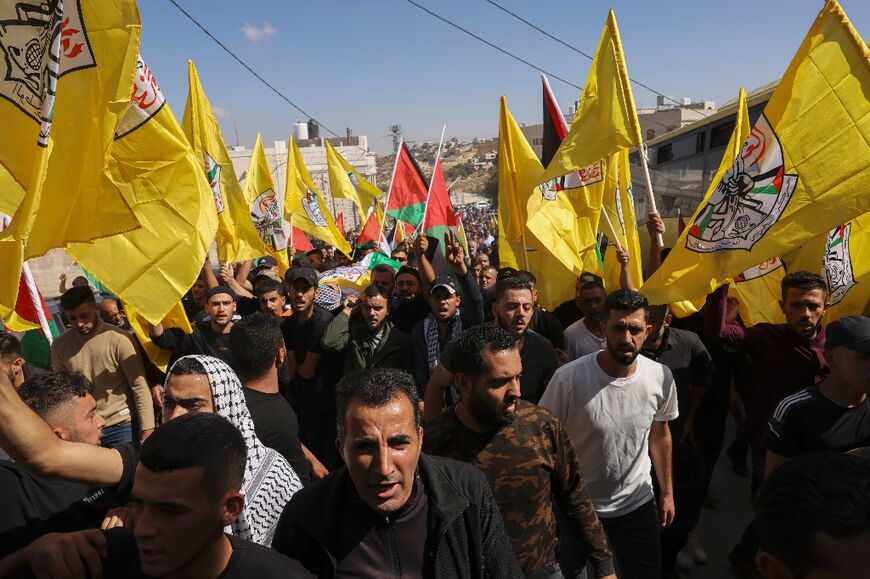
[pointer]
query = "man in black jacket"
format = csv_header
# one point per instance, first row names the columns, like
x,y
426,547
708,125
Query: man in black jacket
x,y
391,509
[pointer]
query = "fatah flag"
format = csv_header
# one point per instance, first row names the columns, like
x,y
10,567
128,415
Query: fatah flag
x,y
345,182
266,206
791,181
406,200
237,238
66,80
152,163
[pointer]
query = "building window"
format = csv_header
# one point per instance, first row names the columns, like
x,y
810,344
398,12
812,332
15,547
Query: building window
x,y
719,136
700,138
665,153
650,134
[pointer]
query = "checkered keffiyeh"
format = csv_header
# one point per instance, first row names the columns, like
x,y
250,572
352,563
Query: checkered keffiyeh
x,y
269,479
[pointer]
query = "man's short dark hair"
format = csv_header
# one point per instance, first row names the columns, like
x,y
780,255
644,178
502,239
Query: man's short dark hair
x,y
77,296
10,347
468,355
410,271
374,291
187,366
384,268
376,387
818,493
505,273
219,290
311,252
267,285
199,439
513,282
255,341
527,275
80,281
804,281
594,284
625,300
45,393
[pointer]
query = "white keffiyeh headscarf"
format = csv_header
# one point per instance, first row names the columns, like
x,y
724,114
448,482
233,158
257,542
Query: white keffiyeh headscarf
x,y
269,479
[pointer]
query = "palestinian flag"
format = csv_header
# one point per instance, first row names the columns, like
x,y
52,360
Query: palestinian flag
x,y
373,231
300,241
440,219
406,200
339,223
555,131
25,324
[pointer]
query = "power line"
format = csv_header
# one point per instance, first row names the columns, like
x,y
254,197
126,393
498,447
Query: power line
x,y
580,52
255,73
488,43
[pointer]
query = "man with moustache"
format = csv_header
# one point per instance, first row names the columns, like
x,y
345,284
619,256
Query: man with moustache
x,y
615,406
512,311
522,449
586,335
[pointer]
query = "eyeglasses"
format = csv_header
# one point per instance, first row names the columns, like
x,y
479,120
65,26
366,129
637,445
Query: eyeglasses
x,y
401,259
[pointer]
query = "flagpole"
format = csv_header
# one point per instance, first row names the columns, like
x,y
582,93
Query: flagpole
x,y
390,190
432,180
612,230
650,198
525,253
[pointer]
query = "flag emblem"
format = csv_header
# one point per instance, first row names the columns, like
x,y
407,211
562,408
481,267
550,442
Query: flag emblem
x,y
146,100
28,32
748,200
266,215
213,174
838,263
312,208
353,180
760,270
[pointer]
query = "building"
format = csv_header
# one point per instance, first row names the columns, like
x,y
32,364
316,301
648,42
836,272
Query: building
x,y
353,148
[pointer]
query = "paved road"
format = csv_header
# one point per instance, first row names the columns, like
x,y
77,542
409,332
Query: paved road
x,y
720,527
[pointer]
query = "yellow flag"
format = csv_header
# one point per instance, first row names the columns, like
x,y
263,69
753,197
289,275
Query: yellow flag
x,y
607,119
346,183
842,256
305,207
237,237
64,81
176,318
265,206
803,170
551,244
152,163
758,291
619,205
665,285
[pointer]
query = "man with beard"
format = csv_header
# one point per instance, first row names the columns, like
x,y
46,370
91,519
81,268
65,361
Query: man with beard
x,y
209,338
572,310
522,449
107,357
615,407
586,335
543,322
364,334
411,306
111,313
512,311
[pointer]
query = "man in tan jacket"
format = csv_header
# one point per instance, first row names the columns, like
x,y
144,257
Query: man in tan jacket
x,y
106,356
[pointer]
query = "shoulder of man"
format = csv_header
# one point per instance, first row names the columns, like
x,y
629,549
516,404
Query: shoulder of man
x,y
462,476
790,408
248,558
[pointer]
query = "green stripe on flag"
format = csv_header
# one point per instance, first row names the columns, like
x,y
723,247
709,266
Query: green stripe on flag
x,y
412,214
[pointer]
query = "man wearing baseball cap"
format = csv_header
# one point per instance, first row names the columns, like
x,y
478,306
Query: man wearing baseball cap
x,y
835,414
448,317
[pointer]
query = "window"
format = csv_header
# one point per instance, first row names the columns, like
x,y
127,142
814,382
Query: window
x,y
650,134
700,138
719,136
665,153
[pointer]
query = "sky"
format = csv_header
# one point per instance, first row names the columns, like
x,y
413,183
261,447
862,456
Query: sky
x,y
368,64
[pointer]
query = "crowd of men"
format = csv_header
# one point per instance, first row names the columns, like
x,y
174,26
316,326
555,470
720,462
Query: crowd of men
x,y
432,425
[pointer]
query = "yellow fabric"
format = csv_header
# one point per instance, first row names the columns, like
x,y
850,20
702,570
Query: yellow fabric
x,y
554,222
758,293
176,318
237,237
807,162
152,163
607,119
666,284
346,183
11,193
619,205
67,195
845,266
305,207
265,204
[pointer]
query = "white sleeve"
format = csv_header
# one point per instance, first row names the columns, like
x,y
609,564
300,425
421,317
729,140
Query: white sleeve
x,y
554,398
668,409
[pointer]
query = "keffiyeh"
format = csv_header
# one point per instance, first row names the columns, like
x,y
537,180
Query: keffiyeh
x,y
269,479
430,332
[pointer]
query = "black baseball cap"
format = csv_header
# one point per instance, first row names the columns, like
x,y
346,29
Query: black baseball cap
x,y
445,281
265,261
305,273
852,332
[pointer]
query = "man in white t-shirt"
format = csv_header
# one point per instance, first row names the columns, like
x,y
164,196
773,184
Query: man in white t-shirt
x,y
615,407
586,335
